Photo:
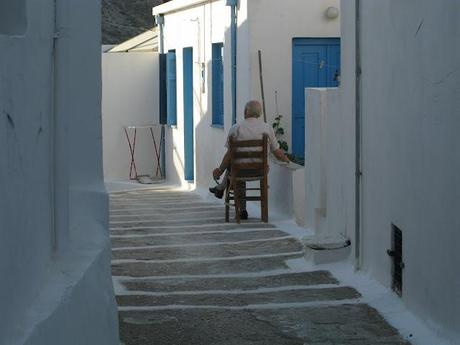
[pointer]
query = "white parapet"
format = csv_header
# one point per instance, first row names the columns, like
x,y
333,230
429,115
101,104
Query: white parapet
x,y
327,159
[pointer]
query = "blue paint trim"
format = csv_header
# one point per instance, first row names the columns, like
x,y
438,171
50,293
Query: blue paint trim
x,y
234,19
217,84
189,152
217,126
171,87
302,41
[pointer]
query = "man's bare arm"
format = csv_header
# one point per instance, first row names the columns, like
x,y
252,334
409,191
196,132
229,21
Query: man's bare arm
x,y
279,154
223,165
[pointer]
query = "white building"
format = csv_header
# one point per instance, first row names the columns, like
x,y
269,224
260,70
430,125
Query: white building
x,y
56,283
199,41
130,98
407,102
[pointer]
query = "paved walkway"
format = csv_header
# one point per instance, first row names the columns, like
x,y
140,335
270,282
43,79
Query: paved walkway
x,y
183,277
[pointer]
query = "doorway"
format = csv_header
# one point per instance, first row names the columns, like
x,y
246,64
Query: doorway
x,y
315,63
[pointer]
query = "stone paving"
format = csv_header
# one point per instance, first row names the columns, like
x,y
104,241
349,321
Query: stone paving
x,y
184,277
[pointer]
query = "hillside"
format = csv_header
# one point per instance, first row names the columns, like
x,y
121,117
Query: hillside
x,y
123,19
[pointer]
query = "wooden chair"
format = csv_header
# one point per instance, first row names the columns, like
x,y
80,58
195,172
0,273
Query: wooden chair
x,y
242,171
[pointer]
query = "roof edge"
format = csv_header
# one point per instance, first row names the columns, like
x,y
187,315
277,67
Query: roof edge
x,y
175,5
136,41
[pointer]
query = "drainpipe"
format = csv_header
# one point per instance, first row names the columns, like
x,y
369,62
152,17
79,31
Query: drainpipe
x,y
59,173
160,20
234,18
358,142
52,141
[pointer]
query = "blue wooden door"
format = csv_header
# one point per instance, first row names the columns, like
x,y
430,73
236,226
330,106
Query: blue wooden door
x,y
315,63
188,115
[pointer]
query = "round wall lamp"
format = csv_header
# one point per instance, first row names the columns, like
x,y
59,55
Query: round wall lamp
x,y
332,12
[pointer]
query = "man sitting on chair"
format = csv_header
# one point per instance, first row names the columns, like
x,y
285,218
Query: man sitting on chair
x,y
251,128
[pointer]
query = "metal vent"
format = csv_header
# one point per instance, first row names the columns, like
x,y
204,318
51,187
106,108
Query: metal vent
x,y
396,254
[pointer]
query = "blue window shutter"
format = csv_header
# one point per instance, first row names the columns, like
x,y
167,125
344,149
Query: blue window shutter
x,y
163,91
217,85
171,88
189,152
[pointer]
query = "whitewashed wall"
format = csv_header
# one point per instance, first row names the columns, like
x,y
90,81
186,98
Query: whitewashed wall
x,y
54,248
130,96
410,148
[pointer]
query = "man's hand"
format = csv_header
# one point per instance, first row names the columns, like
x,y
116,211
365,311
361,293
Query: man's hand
x,y
279,154
216,173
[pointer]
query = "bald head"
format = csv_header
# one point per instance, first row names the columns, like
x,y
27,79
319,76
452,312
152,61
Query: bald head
x,y
252,109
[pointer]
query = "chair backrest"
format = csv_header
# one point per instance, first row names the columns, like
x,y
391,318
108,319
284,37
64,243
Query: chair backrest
x,y
249,158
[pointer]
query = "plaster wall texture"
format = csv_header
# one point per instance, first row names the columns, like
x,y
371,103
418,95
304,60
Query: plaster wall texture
x,y
13,17
130,96
53,206
269,26
410,148
346,114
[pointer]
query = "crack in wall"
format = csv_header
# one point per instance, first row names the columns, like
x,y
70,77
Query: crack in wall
x,y
420,27
9,120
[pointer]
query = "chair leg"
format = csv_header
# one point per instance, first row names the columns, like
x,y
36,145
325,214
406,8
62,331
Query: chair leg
x,y
228,191
264,200
227,204
237,199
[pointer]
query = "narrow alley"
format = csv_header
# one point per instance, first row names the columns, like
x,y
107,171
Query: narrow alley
x,y
183,276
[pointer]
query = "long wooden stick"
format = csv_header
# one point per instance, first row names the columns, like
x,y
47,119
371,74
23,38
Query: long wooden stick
x,y
262,86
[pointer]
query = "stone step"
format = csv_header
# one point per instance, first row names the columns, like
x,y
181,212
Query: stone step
x,y
150,192
192,238
239,265
192,229
350,324
121,198
148,209
226,250
217,214
171,214
164,204
296,295
172,222
156,200
230,283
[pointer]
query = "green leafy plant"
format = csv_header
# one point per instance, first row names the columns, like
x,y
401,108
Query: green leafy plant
x,y
279,133
296,159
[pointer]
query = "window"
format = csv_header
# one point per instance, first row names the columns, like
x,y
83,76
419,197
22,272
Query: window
x,y
217,85
13,20
171,88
